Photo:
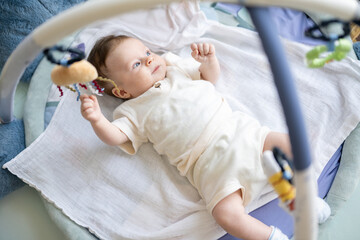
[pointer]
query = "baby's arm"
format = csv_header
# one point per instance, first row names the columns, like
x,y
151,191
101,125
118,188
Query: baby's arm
x,y
103,128
205,54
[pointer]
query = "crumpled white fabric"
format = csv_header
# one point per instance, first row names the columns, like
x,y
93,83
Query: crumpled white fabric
x,y
118,196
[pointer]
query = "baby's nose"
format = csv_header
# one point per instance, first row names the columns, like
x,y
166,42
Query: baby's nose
x,y
149,60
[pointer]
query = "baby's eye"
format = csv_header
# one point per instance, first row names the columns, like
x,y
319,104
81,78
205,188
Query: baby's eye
x,y
136,65
148,53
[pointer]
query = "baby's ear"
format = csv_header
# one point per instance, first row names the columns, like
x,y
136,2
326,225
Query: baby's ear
x,y
120,93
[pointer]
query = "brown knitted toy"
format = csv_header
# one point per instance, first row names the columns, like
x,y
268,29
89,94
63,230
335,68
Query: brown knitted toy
x,y
78,72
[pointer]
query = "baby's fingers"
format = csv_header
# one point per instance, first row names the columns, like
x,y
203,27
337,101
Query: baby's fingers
x,y
205,49
86,104
94,98
83,97
195,51
201,50
194,47
211,49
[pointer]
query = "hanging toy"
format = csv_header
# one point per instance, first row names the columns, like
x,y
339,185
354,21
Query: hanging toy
x,y
336,48
280,175
315,58
73,72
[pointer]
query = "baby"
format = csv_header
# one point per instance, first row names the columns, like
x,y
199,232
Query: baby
x,y
189,122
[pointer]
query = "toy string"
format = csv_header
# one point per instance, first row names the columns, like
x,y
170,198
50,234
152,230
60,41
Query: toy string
x,y
78,92
108,80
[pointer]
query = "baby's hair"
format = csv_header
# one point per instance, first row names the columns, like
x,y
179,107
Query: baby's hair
x,y
98,55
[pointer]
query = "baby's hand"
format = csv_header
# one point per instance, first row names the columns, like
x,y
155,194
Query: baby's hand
x,y
205,54
202,52
90,108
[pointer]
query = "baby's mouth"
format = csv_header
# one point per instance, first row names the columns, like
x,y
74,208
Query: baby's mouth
x,y
156,68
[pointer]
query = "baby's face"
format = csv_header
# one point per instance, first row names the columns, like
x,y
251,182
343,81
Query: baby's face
x,y
134,68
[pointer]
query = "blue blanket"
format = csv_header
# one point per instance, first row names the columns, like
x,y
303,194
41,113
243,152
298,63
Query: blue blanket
x,y
18,18
12,142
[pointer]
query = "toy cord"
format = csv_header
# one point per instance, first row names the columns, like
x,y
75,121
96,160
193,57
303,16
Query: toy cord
x,y
76,55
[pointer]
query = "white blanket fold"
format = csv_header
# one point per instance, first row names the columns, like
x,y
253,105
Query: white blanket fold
x,y
118,196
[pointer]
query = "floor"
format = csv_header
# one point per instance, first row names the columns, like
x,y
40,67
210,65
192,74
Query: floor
x,y
345,224
355,33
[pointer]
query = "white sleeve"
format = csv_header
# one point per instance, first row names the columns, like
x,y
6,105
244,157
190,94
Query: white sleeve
x,y
131,147
125,119
188,65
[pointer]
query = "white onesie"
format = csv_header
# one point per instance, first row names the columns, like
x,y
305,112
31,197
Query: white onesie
x,y
189,122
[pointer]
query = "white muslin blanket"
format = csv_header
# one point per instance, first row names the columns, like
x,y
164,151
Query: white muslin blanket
x,y
118,196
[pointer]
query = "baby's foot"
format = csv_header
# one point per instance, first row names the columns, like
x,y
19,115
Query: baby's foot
x,y
276,234
272,169
323,210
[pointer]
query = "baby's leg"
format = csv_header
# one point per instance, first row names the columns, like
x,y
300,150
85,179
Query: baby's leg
x,y
280,140
230,214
